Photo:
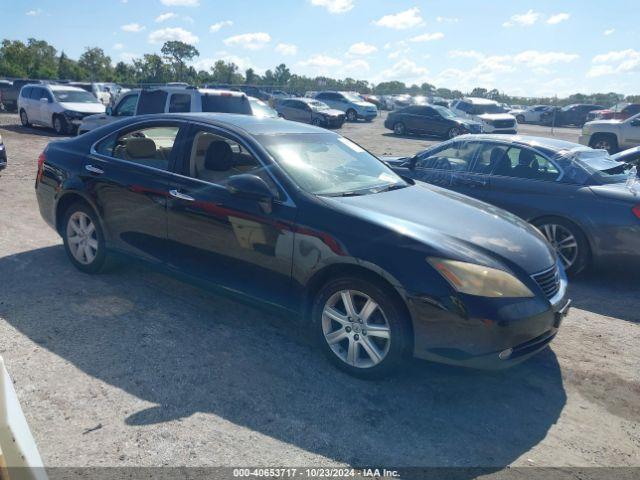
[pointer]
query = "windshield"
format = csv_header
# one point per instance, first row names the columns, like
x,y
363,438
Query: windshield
x,y
488,108
327,164
261,109
74,96
316,105
445,112
352,97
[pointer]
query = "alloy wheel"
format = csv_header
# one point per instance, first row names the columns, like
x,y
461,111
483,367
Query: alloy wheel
x,y
398,128
57,126
356,329
352,116
563,241
23,118
454,132
82,238
602,144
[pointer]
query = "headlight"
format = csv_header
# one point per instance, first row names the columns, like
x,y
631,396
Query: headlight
x,y
479,280
72,114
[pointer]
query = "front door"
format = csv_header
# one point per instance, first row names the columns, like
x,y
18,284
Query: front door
x,y
217,236
128,176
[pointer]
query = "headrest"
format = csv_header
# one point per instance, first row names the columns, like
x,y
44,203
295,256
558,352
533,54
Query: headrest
x,y
497,154
219,156
525,158
140,147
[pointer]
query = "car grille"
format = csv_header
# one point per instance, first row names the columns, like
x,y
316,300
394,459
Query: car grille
x,y
504,123
548,280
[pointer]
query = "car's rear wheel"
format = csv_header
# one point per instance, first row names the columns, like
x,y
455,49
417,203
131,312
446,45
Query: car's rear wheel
x,y
399,128
362,328
568,241
24,119
454,132
604,142
60,125
84,239
352,116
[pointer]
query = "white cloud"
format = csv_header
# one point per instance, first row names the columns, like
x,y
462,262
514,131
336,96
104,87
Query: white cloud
x,y
428,37
334,6
557,18
172,33
609,31
362,48
534,58
216,27
466,54
615,62
118,46
34,13
407,71
249,41
128,56
132,27
165,16
180,3
356,66
401,21
286,49
522,19
321,62
447,20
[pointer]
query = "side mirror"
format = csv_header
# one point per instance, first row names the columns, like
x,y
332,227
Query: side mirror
x,y
109,110
252,187
44,100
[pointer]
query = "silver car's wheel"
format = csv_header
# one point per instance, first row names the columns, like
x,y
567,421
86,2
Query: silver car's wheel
x,y
563,241
82,238
24,119
356,329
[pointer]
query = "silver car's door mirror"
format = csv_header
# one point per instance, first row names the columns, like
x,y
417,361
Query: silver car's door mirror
x,y
109,110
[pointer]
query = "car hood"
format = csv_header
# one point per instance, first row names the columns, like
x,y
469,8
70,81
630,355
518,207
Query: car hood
x,y
466,121
496,116
332,112
613,121
84,107
454,225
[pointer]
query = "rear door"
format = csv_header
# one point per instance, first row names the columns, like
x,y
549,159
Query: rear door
x,y
128,173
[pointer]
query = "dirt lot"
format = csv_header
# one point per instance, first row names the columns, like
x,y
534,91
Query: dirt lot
x,y
136,368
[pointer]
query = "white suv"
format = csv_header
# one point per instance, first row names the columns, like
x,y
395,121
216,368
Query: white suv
x,y
58,106
170,99
488,112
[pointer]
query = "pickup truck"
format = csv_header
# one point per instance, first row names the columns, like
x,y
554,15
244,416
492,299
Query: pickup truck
x,y
9,95
612,135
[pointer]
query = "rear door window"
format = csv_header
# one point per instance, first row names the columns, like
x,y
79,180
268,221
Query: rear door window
x,y
127,106
525,163
457,157
226,104
180,103
152,102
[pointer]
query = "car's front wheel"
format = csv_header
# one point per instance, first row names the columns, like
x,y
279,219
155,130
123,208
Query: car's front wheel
x,y
605,142
24,119
84,239
60,125
362,328
399,128
520,118
352,116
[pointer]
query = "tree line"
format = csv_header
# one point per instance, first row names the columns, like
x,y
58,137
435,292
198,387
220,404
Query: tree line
x,y
38,59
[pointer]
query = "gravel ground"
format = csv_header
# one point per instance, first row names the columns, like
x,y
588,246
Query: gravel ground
x,y
136,368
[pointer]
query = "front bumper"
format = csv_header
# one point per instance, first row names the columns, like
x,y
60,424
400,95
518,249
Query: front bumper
x,y
367,115
488,335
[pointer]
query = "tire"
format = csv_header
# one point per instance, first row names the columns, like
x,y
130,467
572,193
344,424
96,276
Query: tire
x,y
606,142
579,256
454,132
316,122
352,116
74,214
359,352
520,118
60,125
24,119
399,128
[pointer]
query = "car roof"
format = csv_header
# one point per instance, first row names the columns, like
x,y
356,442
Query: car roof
x,y
527,140
64,87
249,124
480,101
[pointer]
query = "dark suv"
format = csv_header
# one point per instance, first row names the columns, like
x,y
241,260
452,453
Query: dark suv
x,y
575,114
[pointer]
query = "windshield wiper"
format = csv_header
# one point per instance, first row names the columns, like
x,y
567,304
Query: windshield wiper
x,y
388,188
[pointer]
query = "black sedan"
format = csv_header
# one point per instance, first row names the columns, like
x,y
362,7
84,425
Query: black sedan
x,y
575,114
308,222
575,195
309,110
430,120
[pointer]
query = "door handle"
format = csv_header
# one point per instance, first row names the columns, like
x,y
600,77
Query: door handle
x,y
181,196
92,169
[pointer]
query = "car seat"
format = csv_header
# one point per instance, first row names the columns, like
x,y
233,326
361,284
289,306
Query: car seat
x,y
527,165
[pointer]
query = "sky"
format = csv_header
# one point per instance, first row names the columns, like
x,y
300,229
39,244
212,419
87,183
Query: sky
x,y
521,47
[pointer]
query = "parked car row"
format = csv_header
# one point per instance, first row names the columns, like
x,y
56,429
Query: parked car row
x,y
315,226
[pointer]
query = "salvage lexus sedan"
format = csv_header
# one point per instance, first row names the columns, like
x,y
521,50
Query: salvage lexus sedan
x,y
575,195
306,221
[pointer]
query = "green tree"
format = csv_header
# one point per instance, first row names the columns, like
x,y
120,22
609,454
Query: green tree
x,y
226,72
178,53
250,76
282,75
13,54
96,64
150,69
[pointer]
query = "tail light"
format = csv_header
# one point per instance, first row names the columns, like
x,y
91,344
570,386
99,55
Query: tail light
x,y
636,210
41,160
